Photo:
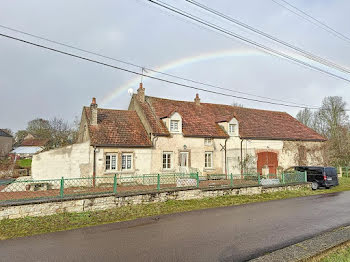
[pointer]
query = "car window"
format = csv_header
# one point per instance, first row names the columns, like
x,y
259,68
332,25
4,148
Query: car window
x,y
315,171
331,171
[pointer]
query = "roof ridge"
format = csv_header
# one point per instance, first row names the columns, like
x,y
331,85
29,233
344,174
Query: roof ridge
x,y
160,123
5,131
203,103
110,109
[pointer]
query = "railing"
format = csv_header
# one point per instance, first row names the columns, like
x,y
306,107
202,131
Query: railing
x,y
22,189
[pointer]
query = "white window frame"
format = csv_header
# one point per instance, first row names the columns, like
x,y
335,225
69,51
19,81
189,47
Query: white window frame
x,y
230,127
208,141
168,164
172,125
128,157
111,158
208,164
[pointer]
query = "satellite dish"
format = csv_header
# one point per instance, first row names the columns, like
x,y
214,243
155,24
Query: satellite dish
x,y
130,91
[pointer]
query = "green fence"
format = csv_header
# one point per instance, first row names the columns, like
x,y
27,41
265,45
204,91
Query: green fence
x,y
118,183
345,171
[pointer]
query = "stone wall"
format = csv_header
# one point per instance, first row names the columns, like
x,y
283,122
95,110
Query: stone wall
x,y
113,201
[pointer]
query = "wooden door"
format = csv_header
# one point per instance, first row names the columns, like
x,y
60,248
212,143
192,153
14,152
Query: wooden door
x,y
269,159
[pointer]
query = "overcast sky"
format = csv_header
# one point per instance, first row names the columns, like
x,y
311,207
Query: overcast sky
x,y
38,83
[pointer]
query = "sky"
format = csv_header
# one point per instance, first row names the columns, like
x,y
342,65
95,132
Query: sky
x,y
36,83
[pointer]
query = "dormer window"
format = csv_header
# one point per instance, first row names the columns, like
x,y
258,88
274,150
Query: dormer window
x,y
174,125
232,129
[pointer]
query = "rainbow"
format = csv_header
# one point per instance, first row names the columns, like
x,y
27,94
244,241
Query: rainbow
x,y
180,63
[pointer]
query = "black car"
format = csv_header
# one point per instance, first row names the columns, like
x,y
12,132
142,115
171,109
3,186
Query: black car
x,y
319,176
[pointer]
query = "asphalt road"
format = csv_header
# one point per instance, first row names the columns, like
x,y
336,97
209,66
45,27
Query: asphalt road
x,y
235,233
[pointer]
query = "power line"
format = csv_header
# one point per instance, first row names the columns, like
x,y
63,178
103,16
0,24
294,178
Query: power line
x,y
265,49
141,74
275,39
312,20
142,67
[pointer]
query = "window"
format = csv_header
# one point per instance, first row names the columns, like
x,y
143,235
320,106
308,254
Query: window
x,y
232,128
174,125
167,160
126,161
111,161
208,141
208,163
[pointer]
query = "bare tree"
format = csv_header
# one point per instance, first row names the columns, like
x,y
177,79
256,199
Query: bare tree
x,y
332,121
332,116
60,133
306,117
237,104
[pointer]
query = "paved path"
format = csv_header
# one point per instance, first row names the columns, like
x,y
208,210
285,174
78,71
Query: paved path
x,y
234,233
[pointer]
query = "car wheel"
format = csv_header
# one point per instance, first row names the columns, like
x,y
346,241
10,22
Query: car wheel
x,y
314,185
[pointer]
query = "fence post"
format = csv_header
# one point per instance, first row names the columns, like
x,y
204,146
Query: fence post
x,y
305,176
282,178
115,184
158,182
197,177
231,180
62,187
258,179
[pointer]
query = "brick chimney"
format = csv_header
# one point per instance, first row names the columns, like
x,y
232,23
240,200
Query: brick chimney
x,y
141,93
197,100
93,110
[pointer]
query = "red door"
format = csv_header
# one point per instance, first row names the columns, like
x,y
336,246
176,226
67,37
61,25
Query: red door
x,y
269,159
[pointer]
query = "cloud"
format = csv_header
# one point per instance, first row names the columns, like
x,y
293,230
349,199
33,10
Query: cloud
x,y
37,83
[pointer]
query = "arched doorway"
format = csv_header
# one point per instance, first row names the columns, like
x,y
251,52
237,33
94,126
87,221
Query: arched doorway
x,y
269,159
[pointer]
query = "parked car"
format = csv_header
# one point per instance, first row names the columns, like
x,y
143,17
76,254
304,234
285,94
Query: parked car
x,y
319,176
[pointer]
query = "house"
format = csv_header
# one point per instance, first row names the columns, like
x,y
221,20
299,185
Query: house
x,y
160,136
30,146
6,143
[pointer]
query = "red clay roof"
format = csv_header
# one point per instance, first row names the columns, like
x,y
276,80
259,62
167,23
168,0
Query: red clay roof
x,y
34,142
117,128
202,121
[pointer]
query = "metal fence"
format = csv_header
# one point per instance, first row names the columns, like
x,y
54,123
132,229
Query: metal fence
x,y
67,187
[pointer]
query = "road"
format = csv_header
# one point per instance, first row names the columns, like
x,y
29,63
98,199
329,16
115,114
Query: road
x,y
236,233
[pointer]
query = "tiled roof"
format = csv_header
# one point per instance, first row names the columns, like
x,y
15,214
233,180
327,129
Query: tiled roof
x,y
117,128
34,142
4,133
202,121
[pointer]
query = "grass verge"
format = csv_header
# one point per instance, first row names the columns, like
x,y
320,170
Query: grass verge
x,y
11,228
339,254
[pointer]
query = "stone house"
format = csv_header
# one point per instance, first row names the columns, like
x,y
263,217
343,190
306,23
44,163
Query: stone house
x,y
160,136
6,143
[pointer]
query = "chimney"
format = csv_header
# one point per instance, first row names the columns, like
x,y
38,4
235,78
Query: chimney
x,y
197,100
141,93
93,109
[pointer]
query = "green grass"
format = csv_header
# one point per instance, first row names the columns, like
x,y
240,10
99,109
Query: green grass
x,y
24,163
341,254
11,228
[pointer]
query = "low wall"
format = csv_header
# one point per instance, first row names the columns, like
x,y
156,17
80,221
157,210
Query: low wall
x,y
42,208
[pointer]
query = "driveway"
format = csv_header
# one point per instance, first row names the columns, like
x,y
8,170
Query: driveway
x,y
236,233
